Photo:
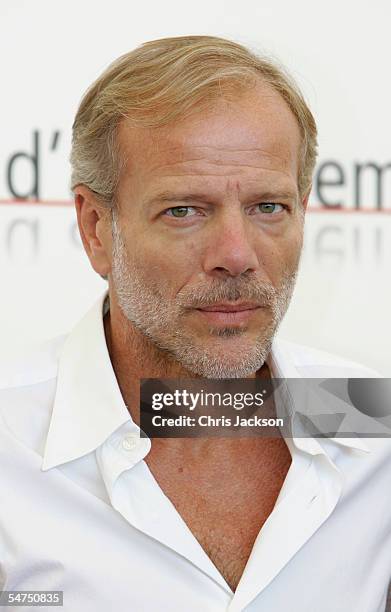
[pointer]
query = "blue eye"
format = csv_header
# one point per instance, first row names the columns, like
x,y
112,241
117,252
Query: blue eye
x,y
270,207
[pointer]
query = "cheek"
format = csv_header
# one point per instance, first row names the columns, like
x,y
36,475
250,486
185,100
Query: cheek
x,y
291,249
281,255
170,265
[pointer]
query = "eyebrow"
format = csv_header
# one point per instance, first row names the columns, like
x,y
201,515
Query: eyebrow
x,y
172,196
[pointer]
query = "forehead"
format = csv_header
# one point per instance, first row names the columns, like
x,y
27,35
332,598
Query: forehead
x,y
255,132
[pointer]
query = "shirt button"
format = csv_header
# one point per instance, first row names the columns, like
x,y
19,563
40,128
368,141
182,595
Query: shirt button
x,y
130,442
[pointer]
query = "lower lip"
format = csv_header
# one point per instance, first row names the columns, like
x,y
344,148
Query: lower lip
x,y
229,318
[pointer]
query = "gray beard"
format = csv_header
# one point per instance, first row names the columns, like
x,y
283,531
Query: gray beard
x,y
160,321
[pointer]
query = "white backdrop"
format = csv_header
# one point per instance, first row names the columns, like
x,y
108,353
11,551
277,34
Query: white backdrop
x,y
339,53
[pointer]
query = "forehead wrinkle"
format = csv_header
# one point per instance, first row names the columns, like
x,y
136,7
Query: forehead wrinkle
x,y
266,163
212,175
219,155
187,145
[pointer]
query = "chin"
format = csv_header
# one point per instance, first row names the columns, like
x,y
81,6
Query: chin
x,y
230,360
224,370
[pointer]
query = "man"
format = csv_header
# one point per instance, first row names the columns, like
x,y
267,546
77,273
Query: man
x,y
192,161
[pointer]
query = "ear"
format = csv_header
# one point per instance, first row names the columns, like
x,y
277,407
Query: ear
x,y
94,223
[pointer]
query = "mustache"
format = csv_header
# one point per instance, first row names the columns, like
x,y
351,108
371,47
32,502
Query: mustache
x,y
230,290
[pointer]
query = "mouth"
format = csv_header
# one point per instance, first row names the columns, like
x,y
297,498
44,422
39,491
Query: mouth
x,y
229,314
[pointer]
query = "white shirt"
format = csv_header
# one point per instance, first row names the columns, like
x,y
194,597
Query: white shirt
x,y
81,512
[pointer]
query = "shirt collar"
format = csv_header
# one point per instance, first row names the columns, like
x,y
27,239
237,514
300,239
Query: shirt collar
x,y
283,364
88,405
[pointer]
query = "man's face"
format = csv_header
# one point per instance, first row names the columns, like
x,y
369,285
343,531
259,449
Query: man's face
x,y
209,233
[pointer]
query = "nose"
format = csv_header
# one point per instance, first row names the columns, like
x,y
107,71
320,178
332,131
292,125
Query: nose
x,y
231,249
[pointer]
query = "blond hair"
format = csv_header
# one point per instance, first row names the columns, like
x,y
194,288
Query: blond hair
x,y
166,79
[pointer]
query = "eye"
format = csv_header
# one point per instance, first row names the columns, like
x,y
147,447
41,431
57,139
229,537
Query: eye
x,y
270,207
179,211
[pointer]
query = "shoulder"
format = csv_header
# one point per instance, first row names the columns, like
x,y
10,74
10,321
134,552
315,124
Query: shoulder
x,y
302,361
27,389
38,364
313,362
